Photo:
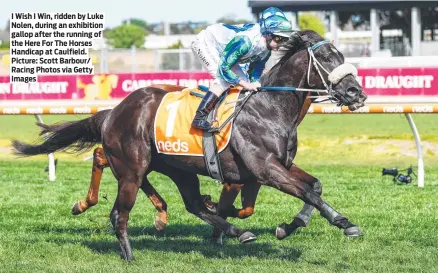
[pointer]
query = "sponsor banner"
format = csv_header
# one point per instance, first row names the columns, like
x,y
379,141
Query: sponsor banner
x,y
399,81
53,110
95,87
314,109
375,81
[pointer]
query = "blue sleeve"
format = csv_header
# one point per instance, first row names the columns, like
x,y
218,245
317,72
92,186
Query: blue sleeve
x,y
256,68
234,50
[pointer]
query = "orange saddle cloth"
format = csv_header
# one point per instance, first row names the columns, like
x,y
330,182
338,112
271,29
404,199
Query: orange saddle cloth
x,y
172,128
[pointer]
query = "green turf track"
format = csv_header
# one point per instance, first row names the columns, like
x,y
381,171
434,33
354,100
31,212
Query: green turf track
x,y
39,234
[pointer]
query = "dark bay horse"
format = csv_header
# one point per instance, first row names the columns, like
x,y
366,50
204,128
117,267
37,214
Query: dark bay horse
x,y
261,150
228,195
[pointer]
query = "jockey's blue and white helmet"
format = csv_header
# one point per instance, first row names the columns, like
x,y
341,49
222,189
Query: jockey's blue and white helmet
x,y
273,21
272,11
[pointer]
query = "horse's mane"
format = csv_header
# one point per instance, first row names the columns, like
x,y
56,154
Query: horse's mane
x,y
299,40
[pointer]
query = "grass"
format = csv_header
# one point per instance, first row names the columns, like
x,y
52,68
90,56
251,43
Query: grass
x,y
39,234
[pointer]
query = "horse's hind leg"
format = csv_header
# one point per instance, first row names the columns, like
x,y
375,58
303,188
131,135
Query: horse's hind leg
x,y
226,208
188,186
248,197
99,163
129,173
126,196
129,161
160,221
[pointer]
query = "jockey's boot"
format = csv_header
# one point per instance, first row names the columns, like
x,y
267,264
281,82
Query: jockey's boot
x,y
207,104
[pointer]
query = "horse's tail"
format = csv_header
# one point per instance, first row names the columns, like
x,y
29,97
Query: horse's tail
x,y
76,136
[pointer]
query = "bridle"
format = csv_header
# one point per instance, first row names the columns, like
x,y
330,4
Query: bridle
x,y
314,61
334,77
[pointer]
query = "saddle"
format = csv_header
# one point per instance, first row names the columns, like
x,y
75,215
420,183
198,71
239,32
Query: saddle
x,y
174,134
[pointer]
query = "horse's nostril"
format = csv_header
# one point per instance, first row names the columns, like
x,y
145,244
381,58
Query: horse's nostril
x,y
351,91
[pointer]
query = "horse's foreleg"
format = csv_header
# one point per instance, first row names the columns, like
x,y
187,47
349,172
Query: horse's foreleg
x,y
302,219
188,186
160,221
99,163
276,176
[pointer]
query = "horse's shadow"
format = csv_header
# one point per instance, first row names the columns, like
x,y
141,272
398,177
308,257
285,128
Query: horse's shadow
x,y
171,231
172,240
205,248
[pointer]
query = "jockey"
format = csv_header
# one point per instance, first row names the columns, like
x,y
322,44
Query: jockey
x,y
224,49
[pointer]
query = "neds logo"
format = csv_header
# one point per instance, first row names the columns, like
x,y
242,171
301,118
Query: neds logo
x,y
177,146
423,109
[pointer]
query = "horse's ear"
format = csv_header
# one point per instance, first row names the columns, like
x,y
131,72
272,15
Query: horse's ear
x,y
294,41
305,40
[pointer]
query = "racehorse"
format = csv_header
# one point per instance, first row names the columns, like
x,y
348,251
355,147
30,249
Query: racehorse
x,y
228,195
262,148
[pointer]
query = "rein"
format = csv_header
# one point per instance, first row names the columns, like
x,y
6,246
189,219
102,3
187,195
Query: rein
x,y
312,61
233,115
289,88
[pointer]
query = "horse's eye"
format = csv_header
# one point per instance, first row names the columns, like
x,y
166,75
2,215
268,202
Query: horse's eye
x,y
279,39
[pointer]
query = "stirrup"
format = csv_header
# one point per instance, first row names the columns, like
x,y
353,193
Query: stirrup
x,y
213,129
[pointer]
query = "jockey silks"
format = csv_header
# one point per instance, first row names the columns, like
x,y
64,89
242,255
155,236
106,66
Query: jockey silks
x,y
225,49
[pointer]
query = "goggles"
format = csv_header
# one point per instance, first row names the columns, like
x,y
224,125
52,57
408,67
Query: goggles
x,y
279,39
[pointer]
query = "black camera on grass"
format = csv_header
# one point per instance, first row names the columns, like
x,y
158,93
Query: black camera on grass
x,y
397,176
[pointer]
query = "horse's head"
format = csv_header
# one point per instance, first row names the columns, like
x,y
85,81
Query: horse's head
x,y
326,68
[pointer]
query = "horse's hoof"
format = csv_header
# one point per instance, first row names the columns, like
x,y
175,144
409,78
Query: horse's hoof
x,y
158,224
353,231
76,209
210,205
280,231
212,209
127,258
247,237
